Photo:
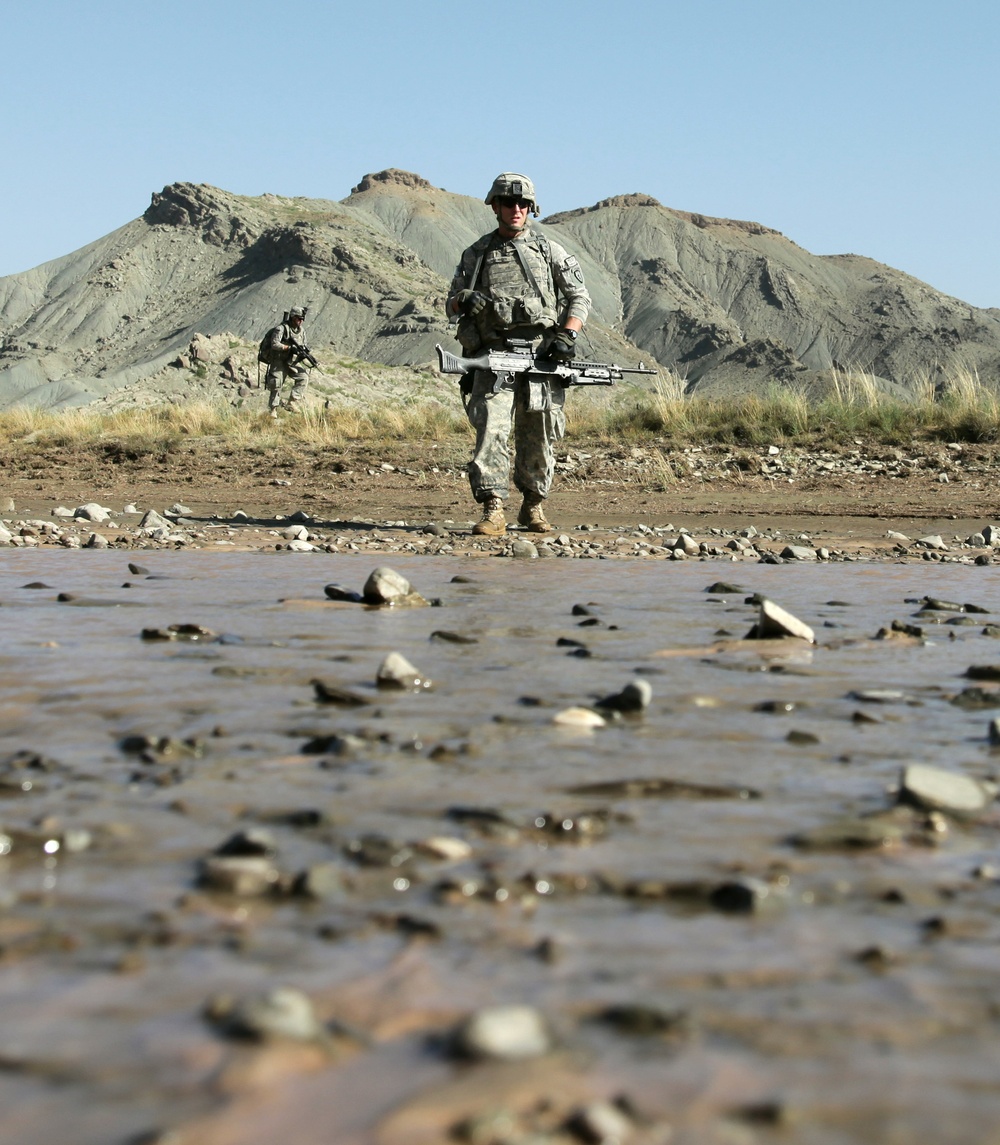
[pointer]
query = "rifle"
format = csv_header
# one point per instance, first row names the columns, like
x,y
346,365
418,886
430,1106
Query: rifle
x,y
519,358
302,354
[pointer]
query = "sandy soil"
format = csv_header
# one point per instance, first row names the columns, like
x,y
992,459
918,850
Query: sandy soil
x,y
845,500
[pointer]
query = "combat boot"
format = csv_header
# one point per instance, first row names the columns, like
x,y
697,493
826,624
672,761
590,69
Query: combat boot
x,y
532,516
492,523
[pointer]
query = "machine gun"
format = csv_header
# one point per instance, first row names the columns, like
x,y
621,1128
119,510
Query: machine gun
x,y
302,354
519,358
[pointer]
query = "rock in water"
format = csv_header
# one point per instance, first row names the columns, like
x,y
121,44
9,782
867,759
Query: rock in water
x,y
396,671
774,621
386,586
935,789
504,1033
279,1013
634,697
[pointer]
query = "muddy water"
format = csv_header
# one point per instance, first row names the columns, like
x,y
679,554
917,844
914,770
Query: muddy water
x,y
857,1001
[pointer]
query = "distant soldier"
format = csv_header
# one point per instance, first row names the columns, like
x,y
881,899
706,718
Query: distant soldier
x,y
514,283
286,350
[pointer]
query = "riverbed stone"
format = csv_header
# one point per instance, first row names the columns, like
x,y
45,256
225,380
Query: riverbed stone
x,y
93,512
579,718
634,697
523,550
396,671
773,621
504,1034
935,789
282,1012
387,587
798,553
248,876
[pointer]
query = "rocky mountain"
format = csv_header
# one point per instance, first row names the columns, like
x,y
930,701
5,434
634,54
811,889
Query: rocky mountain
x,y
726,304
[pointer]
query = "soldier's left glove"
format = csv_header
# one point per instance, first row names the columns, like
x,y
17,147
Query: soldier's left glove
x,y
562,348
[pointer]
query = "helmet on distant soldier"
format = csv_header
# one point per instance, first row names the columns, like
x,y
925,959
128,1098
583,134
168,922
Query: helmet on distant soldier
x,y
510,183
297,312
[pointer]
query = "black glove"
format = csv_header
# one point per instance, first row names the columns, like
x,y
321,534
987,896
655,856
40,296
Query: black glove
x,y
562,348
471,302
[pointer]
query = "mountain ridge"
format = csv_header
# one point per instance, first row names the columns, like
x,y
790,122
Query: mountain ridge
x,y
730,305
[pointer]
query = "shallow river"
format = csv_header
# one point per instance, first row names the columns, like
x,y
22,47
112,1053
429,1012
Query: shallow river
x,y
857,999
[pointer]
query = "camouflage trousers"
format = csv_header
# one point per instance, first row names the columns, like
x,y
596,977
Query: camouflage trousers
x,y
536,432
274,379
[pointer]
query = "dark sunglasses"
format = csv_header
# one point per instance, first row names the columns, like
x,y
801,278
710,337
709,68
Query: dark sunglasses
x,y
513,201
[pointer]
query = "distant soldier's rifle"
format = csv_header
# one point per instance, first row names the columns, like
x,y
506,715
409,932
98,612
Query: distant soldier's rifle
x,y
519,358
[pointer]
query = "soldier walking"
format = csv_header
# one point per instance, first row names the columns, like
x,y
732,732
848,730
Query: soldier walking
x,y
287,349
516,283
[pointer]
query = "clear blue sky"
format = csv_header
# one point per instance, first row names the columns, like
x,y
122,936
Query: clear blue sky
x,y
865,127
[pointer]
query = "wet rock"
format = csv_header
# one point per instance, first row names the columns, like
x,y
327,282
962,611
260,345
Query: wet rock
x,y
396,671
851,834
452,637
191,632
523,550
138,570
640,1020
994,733
687,545
444,847
283,1012
774,622
247,876
724,588
300,546
800,738
23,771
934,789
878,696
338,592
385,586
976,699
374,850
744,895
96,541
798,553
634,697
503,1034
660,788
328,693
581,718
251,841
320,881
601,1123
983,672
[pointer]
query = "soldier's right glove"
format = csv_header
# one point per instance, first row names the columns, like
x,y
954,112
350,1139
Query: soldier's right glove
x,y
471,302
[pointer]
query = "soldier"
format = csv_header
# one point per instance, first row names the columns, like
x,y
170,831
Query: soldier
x,y
285,360
515,283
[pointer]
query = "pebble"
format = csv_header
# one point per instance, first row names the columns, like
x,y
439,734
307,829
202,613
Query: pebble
x,y
523,550
283,1012
396,671
248,876
602,1123
773,621
935,789
386,586
634,697
504,1034
445,847
579,718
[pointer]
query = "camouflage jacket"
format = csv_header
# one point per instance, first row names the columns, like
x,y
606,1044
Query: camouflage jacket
x,y
532,282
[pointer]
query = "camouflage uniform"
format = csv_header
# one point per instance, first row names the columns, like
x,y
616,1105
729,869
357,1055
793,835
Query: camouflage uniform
x,y
533,285
281,367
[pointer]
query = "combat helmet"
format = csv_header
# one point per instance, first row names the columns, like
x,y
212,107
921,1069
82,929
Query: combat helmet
x,y
518,186
297,312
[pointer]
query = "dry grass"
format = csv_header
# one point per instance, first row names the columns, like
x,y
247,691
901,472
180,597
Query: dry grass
x,y
957,407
